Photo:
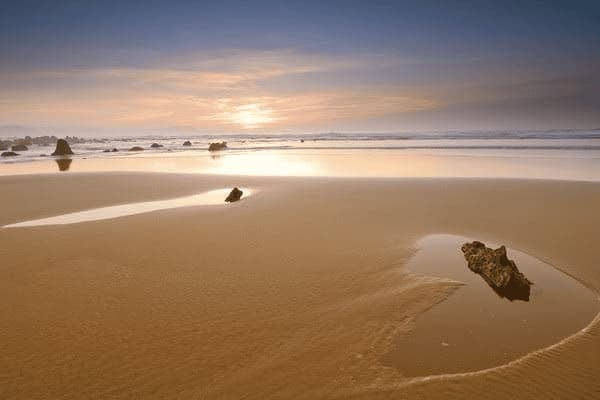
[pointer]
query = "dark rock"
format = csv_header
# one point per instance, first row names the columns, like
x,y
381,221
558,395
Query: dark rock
x,y
187,143
25,142
497,270
156,145
114,150
301,140
62,148
136,148
19,147
217,146
234,195
8,154
106,151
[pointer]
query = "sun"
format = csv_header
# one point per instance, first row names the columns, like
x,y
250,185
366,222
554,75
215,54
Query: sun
x,y
251,116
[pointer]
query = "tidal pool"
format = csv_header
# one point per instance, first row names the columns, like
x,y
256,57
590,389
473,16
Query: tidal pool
x,y
477,328
207,198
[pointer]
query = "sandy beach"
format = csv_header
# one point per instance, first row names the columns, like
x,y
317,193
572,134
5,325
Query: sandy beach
x,y
299,291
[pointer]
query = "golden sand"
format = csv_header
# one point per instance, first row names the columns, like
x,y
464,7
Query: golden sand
x,y
297,291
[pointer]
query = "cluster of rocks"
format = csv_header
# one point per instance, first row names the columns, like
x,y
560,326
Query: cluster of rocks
x,y
187,143
497,270
217,146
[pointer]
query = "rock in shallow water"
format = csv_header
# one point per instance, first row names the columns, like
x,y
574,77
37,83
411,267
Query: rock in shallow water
x,y
234,195
187,143
62,148
19,147
9,154
497,270
136,148
217,146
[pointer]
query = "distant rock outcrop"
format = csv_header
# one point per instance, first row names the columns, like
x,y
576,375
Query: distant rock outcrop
x,y
136,148
156,145
19,147
62,148
9,154
187,143
217,146
497,270
234,195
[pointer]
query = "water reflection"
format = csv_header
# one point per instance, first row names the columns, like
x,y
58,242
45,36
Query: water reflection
x,y
477,328
63,164
207,198
511,292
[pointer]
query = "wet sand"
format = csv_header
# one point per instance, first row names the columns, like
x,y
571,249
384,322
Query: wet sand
x,y
298,291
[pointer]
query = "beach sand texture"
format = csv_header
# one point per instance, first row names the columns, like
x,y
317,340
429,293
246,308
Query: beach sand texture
x,y
296,292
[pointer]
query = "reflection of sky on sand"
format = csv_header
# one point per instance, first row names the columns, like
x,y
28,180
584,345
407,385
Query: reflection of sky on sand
x,y
338,162
207,198
270,164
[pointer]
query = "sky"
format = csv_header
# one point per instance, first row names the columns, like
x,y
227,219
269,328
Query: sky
x,y
135,67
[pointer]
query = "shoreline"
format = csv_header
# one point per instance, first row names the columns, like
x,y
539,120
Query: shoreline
x,y
345,290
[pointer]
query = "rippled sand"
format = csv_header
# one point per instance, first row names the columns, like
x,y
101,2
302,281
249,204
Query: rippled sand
x,y
299,291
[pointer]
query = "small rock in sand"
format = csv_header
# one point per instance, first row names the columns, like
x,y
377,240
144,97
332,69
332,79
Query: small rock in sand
x,y
234,195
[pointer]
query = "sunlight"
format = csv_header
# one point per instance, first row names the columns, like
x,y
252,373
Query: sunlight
x,y
250,116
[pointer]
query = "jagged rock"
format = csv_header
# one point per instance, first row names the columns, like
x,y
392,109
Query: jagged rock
x,y
234,195
19,147
62,148
8,154
217,146
497,270
187,143
156,145
136,148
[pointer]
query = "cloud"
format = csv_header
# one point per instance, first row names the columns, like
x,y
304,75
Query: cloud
x,y
221,90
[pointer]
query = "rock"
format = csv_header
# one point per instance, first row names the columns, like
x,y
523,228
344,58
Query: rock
x,y
217,146
156,145
19,147
497,270
187,143
62,148
234,195
114,150
8,154
136,148
106,151
301,140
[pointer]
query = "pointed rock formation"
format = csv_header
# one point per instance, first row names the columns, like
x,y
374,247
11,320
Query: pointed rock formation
x,y
62,148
